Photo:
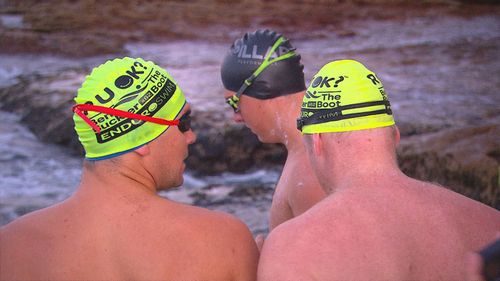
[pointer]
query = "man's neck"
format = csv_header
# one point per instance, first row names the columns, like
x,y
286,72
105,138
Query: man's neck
x,y
361,175
292,139
121,179
288,133
354,166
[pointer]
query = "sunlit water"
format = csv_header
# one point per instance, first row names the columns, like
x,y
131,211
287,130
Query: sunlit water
x,y
423,87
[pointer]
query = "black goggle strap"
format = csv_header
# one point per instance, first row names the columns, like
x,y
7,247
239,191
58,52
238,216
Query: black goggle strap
x,y
328,115
235,99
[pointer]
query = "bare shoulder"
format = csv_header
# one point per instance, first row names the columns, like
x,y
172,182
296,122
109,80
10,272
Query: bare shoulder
x,y
228,228
300,184
25,226
213,222
284,253
221,238
456,202
20,244
296,249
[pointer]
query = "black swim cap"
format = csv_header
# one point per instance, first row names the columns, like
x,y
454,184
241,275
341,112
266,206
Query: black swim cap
x,y
280,78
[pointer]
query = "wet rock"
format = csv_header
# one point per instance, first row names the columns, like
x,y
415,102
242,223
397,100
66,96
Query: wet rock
x,y
252,192
408,128
236,194
44,109
465,159
26,209
249,203
222,146
5,218
44,103
211,196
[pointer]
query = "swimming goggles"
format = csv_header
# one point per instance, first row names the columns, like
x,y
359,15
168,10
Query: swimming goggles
x,y
183,123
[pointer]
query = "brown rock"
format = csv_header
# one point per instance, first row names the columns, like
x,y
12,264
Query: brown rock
x,y
465,160
45,110
223,146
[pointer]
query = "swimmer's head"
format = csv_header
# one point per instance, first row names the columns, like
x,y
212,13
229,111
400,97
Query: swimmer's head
x,y
111,95
264,65
344,96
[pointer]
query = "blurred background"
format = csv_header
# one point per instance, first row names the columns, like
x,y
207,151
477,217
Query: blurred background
x,y
438,60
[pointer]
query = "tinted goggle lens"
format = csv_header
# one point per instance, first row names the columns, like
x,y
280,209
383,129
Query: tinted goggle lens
x,y
185,122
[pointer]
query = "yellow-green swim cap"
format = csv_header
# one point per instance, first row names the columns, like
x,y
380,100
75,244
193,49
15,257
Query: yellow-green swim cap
x,y
131,85
344,96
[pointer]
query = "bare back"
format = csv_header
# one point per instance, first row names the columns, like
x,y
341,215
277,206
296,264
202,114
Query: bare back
x,y
411,230
296,191
139,238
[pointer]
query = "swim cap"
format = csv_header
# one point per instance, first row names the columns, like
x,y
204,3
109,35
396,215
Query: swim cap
x,y
131,85
344,96
283,76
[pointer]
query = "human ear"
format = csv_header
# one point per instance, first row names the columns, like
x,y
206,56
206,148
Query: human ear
x,y
317,144
397,135
143,150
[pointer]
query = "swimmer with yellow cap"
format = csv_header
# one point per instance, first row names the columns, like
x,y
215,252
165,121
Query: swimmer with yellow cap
x,y
376,223
344,96
124,104
132,117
